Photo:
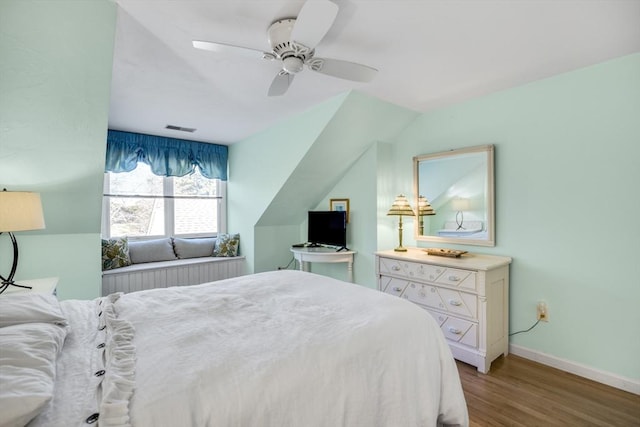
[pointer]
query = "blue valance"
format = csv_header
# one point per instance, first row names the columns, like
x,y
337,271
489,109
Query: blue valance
x,y
165,156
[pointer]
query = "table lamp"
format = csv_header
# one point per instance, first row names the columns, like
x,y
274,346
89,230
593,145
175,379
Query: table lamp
x,y
19,211
460,205
401,208
424,209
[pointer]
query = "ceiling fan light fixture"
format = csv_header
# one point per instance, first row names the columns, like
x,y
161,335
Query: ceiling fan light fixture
x,y
292,64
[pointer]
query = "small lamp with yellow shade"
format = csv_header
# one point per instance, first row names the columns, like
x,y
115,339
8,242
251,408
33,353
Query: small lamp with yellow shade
x,y
401,208
424,209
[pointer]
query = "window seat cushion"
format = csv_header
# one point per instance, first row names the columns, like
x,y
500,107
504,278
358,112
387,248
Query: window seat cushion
x,y
159,265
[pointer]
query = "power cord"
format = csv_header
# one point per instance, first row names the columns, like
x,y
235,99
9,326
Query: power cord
x,y
526,330
287,266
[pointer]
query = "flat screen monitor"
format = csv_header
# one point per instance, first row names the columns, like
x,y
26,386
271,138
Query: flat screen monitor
x,y
327,228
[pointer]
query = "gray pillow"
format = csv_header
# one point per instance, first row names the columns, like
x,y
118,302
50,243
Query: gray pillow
x,y
151,250
194,248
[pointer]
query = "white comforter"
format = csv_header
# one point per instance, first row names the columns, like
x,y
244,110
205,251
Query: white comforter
x,y
272,349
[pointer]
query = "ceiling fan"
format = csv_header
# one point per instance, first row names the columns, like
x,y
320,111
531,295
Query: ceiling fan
x,y
293,41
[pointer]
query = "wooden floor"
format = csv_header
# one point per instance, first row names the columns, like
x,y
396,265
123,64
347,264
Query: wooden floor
x,y
519,392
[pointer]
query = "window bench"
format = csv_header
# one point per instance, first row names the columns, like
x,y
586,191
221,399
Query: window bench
x,y
178,272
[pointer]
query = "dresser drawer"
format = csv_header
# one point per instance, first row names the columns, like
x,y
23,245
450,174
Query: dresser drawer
x,y
392,286
410,270
457,330
449,300
463,279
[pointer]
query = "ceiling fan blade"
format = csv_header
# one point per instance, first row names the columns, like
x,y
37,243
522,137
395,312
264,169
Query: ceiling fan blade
x,y
313,22
343,69
231,49
280,83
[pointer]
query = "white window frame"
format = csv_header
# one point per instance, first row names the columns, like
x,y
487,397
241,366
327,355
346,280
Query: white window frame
x,y
169,220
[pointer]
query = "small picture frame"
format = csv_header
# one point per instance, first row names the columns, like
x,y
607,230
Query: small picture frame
x,y
340,205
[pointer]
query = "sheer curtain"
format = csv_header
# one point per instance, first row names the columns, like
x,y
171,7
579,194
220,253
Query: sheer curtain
x,y
165,156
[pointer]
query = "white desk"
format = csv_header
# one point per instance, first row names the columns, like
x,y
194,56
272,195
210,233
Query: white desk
x,y
45,286
324,255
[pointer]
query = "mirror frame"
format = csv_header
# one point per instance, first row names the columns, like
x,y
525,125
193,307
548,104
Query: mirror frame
x,y
489,196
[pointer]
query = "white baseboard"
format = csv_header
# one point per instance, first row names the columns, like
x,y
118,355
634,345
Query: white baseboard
x,y
613,380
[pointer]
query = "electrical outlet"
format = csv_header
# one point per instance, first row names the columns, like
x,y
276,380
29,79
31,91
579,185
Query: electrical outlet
x,y
542,311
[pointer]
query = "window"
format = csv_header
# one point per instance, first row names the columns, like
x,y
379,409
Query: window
x,y
141,204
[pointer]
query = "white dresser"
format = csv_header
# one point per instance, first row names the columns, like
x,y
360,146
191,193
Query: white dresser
x,y
467,296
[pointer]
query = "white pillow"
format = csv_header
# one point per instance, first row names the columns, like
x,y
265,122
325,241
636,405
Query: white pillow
x,y
30,308
28,354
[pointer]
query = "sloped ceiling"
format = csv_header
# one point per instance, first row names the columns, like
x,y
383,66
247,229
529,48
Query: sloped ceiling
x,y
359,122
429,54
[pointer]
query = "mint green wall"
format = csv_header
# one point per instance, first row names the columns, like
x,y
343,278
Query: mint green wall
x,y
280,174
258,168
45,256
567,175
56,71
271,240
359,186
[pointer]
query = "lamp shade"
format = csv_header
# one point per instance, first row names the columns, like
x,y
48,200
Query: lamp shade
x,y
460,204
20,211
424,207
401,207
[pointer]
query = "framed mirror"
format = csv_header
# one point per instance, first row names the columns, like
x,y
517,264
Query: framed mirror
x,y
454,196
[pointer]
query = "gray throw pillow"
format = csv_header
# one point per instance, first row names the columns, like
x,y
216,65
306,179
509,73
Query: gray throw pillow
x,y
151,250
193,248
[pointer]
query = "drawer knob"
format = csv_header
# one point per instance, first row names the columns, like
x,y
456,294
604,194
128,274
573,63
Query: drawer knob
x,y
397,289
454,278
395,268
454,330
455,302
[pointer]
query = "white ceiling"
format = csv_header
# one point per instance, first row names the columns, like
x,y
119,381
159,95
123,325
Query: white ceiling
x,y
429,53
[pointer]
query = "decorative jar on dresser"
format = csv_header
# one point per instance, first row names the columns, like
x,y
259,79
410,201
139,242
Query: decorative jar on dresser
x,y
468,297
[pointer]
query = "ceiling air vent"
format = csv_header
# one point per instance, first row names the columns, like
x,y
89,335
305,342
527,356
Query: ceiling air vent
x,y
180,128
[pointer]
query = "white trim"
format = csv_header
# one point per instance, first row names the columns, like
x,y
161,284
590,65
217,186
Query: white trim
x,y
222,206
623,383
105,223
169,206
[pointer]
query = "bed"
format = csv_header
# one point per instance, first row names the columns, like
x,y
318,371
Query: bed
x,y
285,348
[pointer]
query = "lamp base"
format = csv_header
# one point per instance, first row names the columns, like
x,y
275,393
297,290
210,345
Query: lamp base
x,y
8,281
400,249
460,220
